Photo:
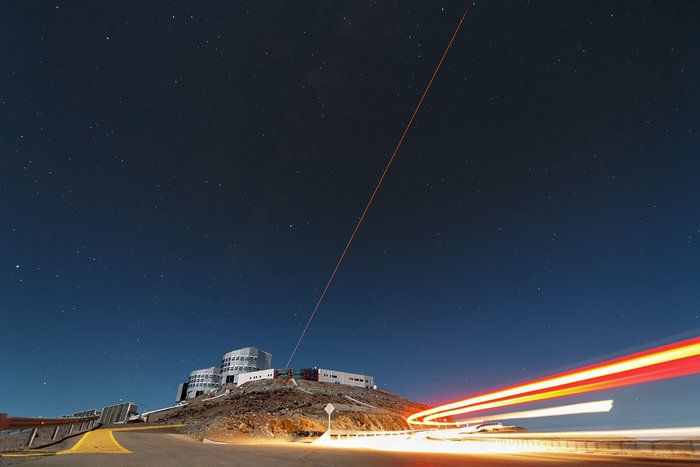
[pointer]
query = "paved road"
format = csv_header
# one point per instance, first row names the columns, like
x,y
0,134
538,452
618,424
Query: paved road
x,y
164,447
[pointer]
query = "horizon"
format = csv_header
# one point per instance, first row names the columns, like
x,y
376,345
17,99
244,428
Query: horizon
x,y
178,182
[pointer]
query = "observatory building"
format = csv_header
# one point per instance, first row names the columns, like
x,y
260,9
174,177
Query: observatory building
x,y
252,364
233,363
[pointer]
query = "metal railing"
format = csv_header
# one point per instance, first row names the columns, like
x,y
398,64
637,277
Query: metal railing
x,y
682,447
337,434
23,423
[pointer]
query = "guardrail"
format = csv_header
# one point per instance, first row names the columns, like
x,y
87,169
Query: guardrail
x,y
682,447
338,435
23,423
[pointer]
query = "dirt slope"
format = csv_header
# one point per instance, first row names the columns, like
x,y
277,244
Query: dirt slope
x,y
284,409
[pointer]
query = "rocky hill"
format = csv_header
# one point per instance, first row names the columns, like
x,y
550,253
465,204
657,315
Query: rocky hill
x,y
289,409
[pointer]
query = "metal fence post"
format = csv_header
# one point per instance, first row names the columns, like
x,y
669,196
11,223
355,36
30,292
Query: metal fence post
x,y
31,438
55,432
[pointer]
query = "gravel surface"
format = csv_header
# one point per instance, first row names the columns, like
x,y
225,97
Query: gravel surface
x,y
290,409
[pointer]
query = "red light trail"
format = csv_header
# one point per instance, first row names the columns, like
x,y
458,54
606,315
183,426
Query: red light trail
x,y
668,361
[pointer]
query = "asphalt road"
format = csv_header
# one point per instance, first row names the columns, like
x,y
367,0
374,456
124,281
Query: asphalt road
x,y
163,447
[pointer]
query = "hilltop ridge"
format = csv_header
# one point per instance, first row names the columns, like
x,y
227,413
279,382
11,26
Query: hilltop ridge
x,y
289,409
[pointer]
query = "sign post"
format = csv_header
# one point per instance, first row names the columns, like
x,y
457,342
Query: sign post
x,y
329,410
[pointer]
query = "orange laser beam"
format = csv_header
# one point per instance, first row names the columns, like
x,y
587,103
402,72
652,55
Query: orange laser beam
x,y
376,188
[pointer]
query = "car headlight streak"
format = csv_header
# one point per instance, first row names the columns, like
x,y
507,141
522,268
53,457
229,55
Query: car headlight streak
x,y
572,409
669,361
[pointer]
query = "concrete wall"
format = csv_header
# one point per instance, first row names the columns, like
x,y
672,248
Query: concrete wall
x,y
255,376
118,413
181,392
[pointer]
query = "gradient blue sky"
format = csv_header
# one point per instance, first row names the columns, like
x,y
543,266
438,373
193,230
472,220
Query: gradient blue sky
x,y
177,180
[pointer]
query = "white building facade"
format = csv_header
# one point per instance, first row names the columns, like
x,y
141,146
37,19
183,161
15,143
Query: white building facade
x,y
321,375
203,381
245,360
233,364
255,376
341,377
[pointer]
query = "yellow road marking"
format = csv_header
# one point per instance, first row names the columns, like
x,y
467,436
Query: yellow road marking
x,y
102,441
146,427
28,454
99,441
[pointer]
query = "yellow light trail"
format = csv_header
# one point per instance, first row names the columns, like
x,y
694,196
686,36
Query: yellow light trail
x,y
668,361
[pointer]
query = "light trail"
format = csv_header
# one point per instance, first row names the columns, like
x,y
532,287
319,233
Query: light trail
x,y
625,380
498,443
572,409
423,445
376,188
689,432
669,361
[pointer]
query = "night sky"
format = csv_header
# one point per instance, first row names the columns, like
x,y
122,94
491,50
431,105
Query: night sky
x,y
177,180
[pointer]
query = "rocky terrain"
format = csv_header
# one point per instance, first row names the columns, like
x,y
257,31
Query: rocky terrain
x,y
289,409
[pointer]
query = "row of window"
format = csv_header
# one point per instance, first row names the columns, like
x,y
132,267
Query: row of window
x,y
201,385
195,379
240,368
239,358
349,377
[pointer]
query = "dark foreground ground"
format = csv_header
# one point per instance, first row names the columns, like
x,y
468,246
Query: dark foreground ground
x,y
166,447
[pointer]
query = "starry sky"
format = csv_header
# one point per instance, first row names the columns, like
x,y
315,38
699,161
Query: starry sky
x,y
177,180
